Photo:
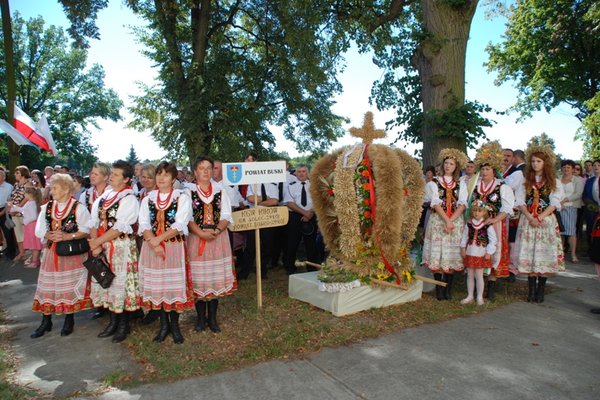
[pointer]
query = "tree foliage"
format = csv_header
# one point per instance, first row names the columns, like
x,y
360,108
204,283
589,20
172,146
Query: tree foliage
x,y
230,70
551,48
51,79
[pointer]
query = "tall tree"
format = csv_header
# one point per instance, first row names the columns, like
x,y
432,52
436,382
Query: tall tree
x,y
11,151
132,157
51,78
551,48
229,70
421,45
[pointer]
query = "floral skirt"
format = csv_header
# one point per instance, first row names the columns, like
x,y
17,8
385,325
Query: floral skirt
x,y
165,282
475,257
213,270
441,250
63,285
539,250
123,293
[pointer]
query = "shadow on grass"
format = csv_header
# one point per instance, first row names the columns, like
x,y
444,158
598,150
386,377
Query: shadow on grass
x,y
284,329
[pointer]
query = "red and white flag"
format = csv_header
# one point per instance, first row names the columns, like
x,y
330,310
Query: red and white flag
x,y
44,129
30,130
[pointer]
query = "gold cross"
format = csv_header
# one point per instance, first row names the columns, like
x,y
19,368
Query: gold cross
x,y
367,132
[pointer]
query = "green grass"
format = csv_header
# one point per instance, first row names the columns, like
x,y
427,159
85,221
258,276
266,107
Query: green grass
x,y
284,329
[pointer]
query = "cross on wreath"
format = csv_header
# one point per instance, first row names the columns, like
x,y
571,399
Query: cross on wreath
x,y
368,132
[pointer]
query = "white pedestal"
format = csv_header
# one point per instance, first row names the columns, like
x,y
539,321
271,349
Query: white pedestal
x,y
305,287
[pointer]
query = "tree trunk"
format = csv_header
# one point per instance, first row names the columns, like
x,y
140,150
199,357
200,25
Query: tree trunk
x,y
13,149
440,61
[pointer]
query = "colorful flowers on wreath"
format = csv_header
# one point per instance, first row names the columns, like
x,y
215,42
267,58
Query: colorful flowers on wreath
x,y
363,192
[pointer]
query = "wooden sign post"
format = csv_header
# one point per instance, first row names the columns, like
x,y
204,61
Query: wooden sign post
x,y
255,173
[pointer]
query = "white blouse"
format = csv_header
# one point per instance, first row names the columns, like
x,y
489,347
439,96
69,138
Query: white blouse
x,y
573,191
492,238
29,211
82,217
431,193
182,217
555,196
507,196
127,213
225,198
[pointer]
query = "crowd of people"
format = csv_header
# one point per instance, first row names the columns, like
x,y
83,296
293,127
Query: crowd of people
x,y
505,213
163,232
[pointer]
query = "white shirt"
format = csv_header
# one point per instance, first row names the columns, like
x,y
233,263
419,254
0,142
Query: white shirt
x,y
573,192
182,217
5,192
127,213
271,188
29,211
82,216
555,196
293,194
514,180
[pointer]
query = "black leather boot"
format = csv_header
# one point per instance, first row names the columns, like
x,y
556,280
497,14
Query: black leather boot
x,y
111,328
531,282
439,290
164,327
150,317
491,288
201,319
212,316
45,326
541,287
175,332
122,328
67,328
137,314
448,291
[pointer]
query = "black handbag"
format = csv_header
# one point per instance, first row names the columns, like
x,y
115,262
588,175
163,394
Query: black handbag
x,y
72,247
98,267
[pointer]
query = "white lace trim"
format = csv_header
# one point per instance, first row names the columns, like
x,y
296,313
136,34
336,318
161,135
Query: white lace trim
x,y
338,287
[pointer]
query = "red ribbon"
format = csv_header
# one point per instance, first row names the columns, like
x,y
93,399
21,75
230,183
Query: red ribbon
x,y
371,185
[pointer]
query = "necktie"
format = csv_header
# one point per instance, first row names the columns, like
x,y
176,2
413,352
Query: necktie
x,y
280,191
303,200
263,192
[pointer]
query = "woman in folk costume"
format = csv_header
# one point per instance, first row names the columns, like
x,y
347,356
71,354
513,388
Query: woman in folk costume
x,y
538,250
63,286
208,245
499,199
441,247
164,273
113,215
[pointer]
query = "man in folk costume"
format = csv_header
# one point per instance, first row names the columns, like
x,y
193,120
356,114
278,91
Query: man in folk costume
x,y
499,199
441,246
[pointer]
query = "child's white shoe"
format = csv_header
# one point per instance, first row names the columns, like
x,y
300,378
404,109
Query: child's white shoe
x,y
467,300
480,302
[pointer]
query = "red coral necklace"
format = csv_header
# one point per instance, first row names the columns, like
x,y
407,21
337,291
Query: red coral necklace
x,y
60,214
205,193
162,204
485,190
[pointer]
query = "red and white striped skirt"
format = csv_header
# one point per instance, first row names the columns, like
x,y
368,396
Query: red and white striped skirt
x,y
63,287
165,282
213,272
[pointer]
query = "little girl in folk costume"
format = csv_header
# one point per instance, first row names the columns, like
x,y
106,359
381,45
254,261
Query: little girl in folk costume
x,y
477,247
